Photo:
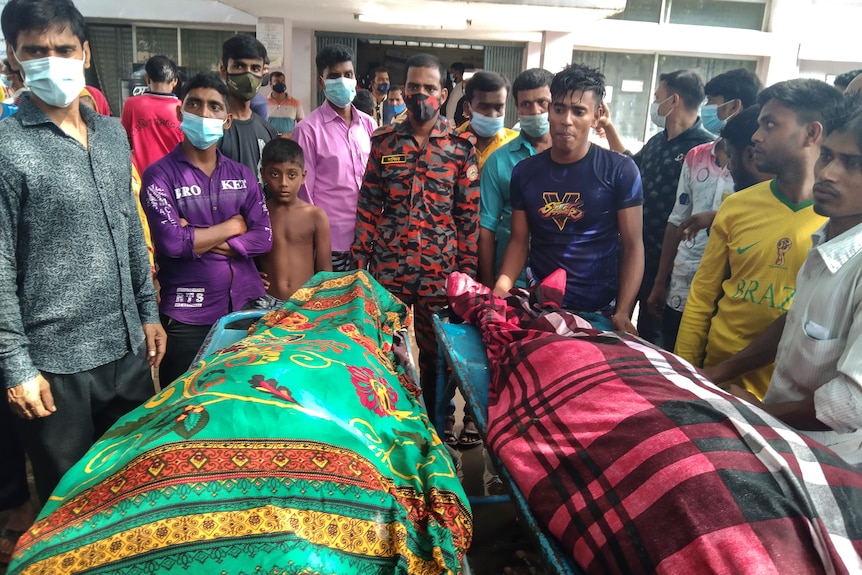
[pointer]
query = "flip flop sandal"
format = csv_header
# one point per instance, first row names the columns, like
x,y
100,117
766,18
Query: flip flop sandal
x,y
449,438
469,439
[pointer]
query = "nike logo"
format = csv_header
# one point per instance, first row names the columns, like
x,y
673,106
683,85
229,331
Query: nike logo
x,y
741,251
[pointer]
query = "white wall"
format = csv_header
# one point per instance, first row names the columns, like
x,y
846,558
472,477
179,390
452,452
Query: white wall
x,y
172,12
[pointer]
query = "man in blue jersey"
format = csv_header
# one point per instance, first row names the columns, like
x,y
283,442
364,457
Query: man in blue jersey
x,y
575,205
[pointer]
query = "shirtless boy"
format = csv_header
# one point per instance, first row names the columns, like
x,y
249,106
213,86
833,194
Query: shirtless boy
x,y
300,231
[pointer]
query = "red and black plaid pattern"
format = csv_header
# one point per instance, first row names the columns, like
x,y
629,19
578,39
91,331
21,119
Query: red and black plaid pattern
x,y
637,464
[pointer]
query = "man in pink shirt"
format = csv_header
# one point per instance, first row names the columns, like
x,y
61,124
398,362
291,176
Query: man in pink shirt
x,y
336,139
150,119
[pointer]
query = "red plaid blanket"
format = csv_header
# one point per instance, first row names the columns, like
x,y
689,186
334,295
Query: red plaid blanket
x,y
637,464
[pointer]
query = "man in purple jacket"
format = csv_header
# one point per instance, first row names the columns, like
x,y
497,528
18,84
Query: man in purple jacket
x,y
208,219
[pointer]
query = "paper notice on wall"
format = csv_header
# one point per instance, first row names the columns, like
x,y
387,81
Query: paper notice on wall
x,y
632,86
271,35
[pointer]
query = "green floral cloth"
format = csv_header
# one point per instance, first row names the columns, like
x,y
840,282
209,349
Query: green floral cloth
x,y
301,449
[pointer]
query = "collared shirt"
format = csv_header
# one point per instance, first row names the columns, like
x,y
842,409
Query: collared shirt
x,y
199,289
660,162
703,185
820,351
378,111
151,122
284,114
75,281
335,159
418,212
500,138
746,278
495,207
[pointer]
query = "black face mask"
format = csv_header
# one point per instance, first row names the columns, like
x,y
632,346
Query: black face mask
x,y
279,88
422,107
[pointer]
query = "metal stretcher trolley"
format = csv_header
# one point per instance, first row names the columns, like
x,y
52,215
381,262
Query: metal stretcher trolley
x,y
462,349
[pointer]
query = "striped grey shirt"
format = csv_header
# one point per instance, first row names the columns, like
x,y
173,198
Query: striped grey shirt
x,y
75,282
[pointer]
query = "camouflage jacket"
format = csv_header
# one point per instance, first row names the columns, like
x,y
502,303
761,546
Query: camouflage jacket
x,y
418,211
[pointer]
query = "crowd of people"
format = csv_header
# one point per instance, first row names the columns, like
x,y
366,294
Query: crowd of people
x,y
721,229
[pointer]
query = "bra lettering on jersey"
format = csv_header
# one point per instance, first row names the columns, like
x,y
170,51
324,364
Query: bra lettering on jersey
x,y
187,191
768,295
561,210
233,185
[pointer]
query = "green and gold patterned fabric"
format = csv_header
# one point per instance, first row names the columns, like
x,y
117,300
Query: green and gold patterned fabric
x,y
301,449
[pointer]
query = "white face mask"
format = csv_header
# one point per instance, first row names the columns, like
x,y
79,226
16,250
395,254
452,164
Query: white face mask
x,y
55,81
657,118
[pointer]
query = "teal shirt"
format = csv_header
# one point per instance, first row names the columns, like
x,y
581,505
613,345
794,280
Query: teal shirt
x,y
495,211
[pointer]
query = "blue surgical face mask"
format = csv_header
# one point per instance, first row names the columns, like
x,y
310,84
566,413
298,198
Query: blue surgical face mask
x,y
536,125
399,108
55,81
709,116
340,91
485,126
202,132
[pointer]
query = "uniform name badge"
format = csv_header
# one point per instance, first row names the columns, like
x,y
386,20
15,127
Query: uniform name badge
x,y
394,159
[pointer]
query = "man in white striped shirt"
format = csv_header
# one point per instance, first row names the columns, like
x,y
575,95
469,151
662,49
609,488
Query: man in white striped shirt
x,y
817,345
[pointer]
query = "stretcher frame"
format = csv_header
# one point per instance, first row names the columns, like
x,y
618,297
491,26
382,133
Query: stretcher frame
x,y
461,349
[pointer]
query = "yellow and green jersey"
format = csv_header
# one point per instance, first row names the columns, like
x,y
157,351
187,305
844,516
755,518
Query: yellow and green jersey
x,y
747,277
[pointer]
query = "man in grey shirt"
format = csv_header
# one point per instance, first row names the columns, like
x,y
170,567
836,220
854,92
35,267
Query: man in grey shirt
x,y
79,327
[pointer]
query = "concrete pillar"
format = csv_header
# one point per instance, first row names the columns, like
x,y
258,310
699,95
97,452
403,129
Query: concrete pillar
x,y
556,50
533,55
788,21
302,80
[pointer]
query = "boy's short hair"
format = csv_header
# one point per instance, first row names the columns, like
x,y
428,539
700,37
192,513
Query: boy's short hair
x,y
162,69
485,81
242,47
841,81
426,61
41,15
364,102
331,55
737,84
687,84
281,150
740,128
208,80
578,78
530,80
846,118
811,100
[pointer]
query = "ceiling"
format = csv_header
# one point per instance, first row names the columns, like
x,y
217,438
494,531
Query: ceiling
x,y
511,20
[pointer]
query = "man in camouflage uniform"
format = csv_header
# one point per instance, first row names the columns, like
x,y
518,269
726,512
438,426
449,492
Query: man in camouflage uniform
x,y
418,211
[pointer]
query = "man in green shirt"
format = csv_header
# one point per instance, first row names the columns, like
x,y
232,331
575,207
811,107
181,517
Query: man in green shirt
x,y
532,92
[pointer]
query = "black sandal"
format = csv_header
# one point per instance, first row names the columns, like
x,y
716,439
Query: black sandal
x,y
469,439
